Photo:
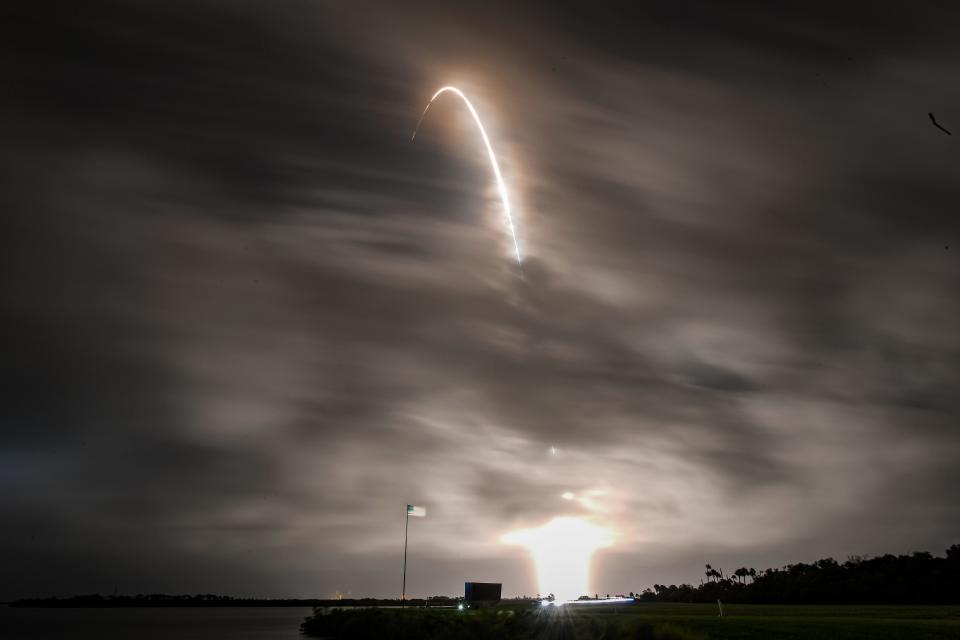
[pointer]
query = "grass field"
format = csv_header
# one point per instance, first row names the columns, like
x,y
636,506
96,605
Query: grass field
x,y
647,622
800,622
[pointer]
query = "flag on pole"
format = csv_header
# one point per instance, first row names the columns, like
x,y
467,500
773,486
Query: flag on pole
x,y
416,512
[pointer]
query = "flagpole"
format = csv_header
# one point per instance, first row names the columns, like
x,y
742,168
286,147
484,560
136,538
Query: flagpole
x,y
406,530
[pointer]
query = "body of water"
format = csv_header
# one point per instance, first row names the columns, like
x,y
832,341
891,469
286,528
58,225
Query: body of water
x,y
173,623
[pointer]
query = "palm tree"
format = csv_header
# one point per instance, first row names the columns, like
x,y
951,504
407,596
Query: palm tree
x,y
713,574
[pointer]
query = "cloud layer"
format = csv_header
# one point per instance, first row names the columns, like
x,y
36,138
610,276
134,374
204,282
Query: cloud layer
x,y
245,320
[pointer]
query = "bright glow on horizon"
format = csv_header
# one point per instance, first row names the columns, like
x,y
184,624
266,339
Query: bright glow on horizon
x,y
562,550
501,187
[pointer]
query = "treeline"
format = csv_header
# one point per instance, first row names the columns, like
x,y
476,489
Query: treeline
x,y
919,578
212,600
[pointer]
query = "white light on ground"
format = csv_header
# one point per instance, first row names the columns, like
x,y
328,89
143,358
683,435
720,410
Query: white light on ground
x,y
562,550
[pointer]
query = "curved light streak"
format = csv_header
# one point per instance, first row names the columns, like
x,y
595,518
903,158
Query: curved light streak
x,y
501,187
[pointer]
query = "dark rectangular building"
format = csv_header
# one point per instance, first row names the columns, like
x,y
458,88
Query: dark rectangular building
x,y
481,593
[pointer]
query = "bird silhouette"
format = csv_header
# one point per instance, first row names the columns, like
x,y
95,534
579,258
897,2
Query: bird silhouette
x,y
937,124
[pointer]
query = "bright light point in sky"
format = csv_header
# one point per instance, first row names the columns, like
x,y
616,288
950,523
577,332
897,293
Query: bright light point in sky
x,y
553,451
562,550
567,495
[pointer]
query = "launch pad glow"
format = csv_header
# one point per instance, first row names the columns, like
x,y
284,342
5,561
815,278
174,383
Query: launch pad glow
x,y
562,550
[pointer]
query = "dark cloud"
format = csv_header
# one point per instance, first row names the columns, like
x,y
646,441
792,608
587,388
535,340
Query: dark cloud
x,y
245,320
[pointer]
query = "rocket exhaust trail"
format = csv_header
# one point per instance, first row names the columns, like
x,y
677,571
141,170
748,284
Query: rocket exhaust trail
x,y
501,187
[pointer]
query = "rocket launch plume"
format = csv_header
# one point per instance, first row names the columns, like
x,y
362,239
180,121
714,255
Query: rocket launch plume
x,y
501,187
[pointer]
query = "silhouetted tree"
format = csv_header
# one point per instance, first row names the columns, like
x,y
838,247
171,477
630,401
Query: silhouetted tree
x,y
918,578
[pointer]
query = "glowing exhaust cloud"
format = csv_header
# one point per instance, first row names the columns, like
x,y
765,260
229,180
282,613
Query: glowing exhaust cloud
x,y
501,187
562,550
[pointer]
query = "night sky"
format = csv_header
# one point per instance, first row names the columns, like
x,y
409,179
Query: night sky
x,y
244,320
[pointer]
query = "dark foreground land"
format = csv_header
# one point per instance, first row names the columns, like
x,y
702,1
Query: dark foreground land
x,y
643,621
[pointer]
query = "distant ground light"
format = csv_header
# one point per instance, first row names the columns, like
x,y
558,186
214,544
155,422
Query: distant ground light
x,y
562,550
